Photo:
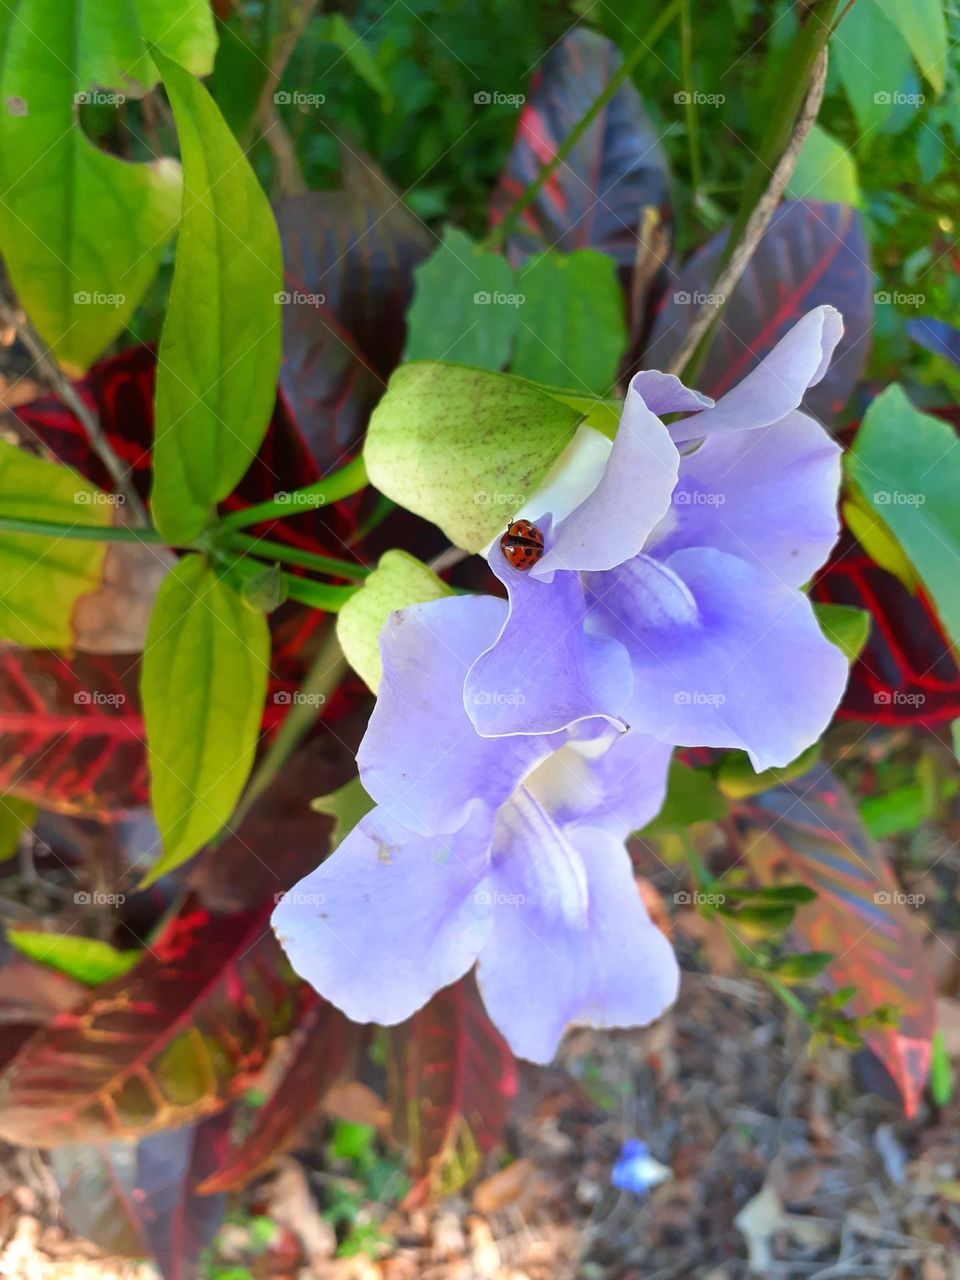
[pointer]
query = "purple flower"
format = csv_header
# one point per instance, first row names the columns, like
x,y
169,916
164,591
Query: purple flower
x,y
686,545
504,853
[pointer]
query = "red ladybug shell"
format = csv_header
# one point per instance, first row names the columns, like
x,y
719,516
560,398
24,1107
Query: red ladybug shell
x,y
522,544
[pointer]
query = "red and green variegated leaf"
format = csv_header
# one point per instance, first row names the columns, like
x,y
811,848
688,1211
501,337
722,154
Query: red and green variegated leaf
x,y
452,1079
597,197
809,832
141,1199
71,733
172,1041
811,254
325,1045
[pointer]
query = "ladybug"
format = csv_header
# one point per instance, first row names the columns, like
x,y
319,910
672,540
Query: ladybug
x,y
522,544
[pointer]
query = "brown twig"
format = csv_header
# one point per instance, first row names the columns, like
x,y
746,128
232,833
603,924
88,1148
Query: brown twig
x,y
50,372
709,312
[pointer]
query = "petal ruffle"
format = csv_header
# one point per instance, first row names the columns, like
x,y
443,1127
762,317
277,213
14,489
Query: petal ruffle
x,y
777,385
768,496
633,494
723,654
665,393
421,758
617,781
571,942
544,673
389,918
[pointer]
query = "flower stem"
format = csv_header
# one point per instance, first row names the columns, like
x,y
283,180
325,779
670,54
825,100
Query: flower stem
x,y
498,235
88,532
266,549
330,489
690,105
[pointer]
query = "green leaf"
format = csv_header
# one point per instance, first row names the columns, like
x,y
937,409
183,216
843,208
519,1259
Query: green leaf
x,y
220,348
572,329
924,27
907,465
844,625
896,811
42,578
83,232
825,171
872,59
465,305
736,776
692,796
354,49
398,580
801,966
16,816
88,960
347,805
203,684
464,447
941,1071
874,536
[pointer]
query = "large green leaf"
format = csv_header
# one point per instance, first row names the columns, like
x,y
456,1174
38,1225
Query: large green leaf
x,y
923,25
204,683
825,171
82,232
572,329
220,348
872,59
464,447
88,960
42,578
398,580
465,306
906,465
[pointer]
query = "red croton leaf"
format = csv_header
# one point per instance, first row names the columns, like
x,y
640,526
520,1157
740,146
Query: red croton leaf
x,y
452,1079
141,1199
324,1046
810,254
809,831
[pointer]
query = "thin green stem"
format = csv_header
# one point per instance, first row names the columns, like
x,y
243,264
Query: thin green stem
x,y
267,549
318,594
330,489
499,233
689,101
88,532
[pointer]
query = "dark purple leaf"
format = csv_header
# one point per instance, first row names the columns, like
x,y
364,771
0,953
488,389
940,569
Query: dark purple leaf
x,y
811,254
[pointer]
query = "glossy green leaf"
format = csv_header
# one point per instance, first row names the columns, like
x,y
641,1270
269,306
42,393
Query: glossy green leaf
x,y
204,682
354,48
82,232
874,536
572,330
88,960
736,777
844,625
692,796
42,578
923,25
825,171
346,806
465,306
220,349
398,580
941,1071
16,816
907,466
464,447
872,59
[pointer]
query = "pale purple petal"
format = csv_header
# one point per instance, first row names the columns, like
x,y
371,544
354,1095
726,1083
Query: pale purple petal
x,y
768,496
421,757
389,918
777,385
665,393
544,672
571,943
613,523
615,780
723,654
